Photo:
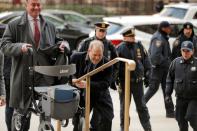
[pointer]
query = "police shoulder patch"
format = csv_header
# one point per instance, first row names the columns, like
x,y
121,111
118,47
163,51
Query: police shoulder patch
x,y
145,52
176,43
158,43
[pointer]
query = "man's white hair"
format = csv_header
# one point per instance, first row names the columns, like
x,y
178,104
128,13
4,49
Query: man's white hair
x,y
96,44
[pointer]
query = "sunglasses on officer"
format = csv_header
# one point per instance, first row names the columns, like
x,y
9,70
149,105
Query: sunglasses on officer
x,y
102,30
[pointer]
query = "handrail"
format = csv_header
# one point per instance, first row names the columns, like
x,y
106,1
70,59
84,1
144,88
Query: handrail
x,y
108,64
129,66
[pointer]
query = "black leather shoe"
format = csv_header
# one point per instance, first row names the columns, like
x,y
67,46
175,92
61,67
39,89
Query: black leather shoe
x,y
149,129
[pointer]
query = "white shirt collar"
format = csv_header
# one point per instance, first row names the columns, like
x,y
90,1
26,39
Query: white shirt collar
x,y
30,18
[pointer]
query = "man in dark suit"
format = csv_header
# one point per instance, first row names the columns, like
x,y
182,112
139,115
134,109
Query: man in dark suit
x,y
109,52
100,98
30,30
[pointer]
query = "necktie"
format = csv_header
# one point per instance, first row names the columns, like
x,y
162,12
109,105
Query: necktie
x,y
36,33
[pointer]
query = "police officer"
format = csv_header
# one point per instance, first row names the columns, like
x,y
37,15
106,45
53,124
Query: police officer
x,y
186,34
182,76
109,49
160,54
130,49
109,52
100,98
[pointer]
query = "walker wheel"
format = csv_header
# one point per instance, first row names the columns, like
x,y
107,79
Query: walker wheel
x,y
17,122
64,123
45,126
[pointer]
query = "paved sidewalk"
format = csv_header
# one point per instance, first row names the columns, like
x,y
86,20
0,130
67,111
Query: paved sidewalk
x,y
156,108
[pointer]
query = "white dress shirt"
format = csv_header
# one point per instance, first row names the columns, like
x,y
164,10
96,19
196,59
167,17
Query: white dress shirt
x,y
31,23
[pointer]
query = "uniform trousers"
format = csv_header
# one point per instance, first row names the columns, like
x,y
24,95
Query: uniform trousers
x,y
186,111
159,75
138,95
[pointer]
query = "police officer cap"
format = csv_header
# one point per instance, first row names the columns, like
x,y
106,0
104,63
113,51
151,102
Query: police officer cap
x,y
187,45
129,32
164,24
188,25
102,25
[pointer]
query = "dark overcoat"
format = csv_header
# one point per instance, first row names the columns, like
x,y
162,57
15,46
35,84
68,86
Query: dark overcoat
x,y
16,34
99,83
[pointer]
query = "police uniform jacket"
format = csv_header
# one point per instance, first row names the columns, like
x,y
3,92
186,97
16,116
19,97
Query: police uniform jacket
x,y
136,52
182,77
17,33
176,50
2,82
159,50
99,82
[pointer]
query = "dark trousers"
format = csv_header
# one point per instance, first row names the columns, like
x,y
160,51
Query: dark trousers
x,y
138,95
8,116
23,117
96,119
102,125
100,102
8,110
159,76
95,115
186,111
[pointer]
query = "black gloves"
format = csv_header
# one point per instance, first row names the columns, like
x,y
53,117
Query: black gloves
x,y
147,78
146,82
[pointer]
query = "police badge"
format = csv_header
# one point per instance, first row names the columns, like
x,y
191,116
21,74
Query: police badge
x,y
139,53
158,43
193,68
176,43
